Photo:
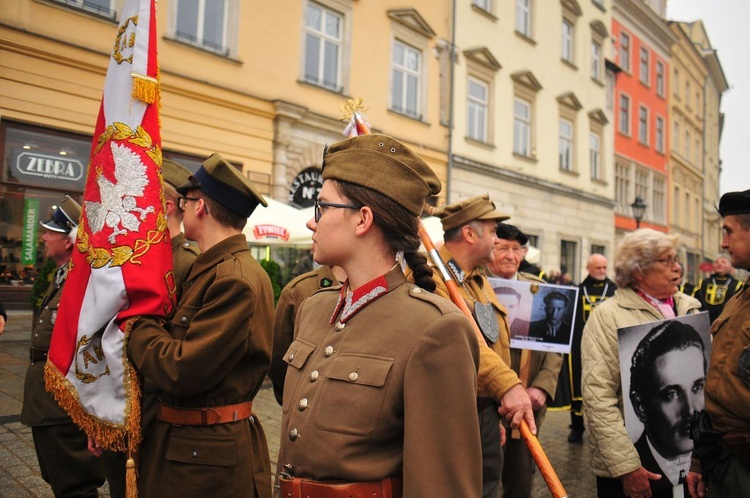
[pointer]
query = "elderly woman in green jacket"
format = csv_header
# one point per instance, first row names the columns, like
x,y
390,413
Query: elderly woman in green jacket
x,y
647,275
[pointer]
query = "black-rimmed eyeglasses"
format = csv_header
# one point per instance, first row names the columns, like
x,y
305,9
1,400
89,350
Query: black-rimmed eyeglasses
x,y
318,212
183,200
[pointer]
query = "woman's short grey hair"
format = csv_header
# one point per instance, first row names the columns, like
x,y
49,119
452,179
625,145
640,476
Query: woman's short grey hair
x,y
637,251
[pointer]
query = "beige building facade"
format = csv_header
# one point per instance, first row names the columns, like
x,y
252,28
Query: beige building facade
x,y
686,116
263,86
531,123
715,86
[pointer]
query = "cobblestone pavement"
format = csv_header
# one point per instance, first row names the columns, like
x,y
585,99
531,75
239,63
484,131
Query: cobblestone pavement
x,y
19,472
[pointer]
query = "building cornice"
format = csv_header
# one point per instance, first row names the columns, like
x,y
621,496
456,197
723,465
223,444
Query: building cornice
x,y
412,20
484,57
505,174
640,13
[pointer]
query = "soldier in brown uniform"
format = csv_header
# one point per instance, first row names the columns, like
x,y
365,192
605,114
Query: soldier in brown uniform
x,y
183,253
726,463
470,236
210,360
290,300
381,384
60,445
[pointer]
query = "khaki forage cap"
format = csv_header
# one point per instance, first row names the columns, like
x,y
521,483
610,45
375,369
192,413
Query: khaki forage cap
x,y
479,207
174,173
385,165
225,184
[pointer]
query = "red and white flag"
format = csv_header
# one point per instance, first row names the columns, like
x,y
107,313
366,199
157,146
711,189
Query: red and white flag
x,y
122,262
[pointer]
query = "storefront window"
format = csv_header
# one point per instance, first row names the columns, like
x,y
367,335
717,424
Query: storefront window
x,y
39,167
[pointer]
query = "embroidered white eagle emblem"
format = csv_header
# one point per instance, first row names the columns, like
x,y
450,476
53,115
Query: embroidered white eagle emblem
x,y
118,200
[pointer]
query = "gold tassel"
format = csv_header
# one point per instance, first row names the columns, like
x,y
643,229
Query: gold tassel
x,y
145,88
131,485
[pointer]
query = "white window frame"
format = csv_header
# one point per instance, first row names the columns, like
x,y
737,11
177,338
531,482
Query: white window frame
x,y
676,137
643,119
625,51
596,60
522,128
477,111
228,31
566,135
660,130
485,5
595,155
86,6
399,67
323,39
626,130
659,199
687,145
660,72
644,68
567,41
523,17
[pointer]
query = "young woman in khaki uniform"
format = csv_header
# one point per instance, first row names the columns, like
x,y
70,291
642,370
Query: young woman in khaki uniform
x,y
380,392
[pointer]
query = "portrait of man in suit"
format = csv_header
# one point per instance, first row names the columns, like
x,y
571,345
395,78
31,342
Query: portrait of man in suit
x,y
667,377
511,299
555,327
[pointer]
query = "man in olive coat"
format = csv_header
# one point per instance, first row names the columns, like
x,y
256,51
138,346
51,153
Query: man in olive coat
x,y
65,463
210,361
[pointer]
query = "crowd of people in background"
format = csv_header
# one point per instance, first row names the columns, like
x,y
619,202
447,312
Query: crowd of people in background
x,y
386,388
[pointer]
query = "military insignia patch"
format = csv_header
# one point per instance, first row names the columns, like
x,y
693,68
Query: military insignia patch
x,y
326,282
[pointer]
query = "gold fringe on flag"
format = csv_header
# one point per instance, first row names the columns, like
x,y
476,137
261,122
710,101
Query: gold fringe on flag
x,y
145,88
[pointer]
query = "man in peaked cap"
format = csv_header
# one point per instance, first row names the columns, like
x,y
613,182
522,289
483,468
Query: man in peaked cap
x,y
61,447
470,235
184,253
727,389
210,361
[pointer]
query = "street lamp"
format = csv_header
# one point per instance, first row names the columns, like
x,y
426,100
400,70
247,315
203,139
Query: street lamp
x,y
639,208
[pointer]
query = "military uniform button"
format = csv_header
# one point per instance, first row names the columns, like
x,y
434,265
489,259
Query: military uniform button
x,y
40,321
303,404
353,376
328,351
339,326
186,244
183,319
314,375
290,357
293,434
416,290
194,454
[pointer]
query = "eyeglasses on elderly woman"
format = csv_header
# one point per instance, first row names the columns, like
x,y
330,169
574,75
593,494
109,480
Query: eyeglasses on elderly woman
x,y
670,261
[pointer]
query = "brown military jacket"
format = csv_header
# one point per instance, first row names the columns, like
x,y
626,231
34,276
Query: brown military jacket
x,y
183,255
216,351
383,385
39,407
289,303
495,376
727,395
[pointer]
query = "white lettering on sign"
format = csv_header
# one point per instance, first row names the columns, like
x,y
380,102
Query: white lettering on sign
x,y
49,167
28,254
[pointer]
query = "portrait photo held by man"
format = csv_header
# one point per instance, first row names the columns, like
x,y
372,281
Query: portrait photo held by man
x,y
663,370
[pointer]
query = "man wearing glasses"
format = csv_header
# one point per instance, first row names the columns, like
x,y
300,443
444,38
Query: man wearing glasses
x,y
210,361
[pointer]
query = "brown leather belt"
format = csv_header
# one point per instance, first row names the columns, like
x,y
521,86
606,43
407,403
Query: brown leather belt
x,y
738,445
38,354
295,487
209,415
